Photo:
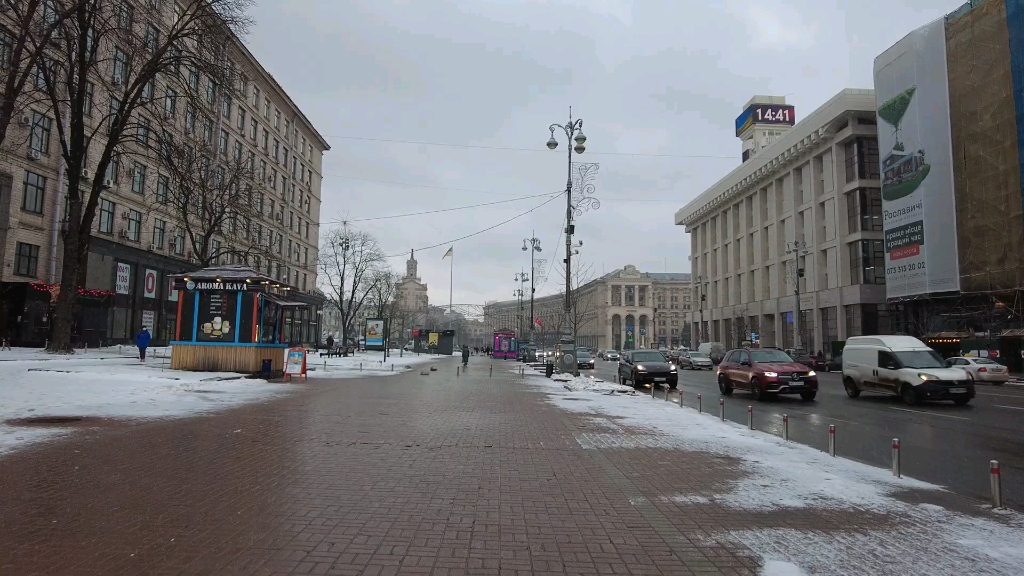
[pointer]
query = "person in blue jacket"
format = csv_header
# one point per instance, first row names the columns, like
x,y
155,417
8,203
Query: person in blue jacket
x,y
142,341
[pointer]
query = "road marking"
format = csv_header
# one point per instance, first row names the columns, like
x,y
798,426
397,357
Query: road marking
x,y
1010,407
1000,395
928,413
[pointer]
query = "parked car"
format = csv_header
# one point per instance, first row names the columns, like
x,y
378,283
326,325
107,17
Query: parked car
x,y
812,362
713,350
835,364
584,359
903,366
695,361
982,369
639,367
611,355
766,373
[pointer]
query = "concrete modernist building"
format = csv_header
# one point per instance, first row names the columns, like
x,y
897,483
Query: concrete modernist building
x,y
137,239
808,200
624,310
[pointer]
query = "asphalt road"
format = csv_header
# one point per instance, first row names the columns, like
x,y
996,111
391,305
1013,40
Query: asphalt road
x,y
940,443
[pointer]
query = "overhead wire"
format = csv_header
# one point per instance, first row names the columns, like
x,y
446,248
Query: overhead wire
x,y
419,185
506,148
477,233
453,209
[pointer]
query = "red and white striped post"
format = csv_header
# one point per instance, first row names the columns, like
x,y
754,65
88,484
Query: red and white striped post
x,y
996,478
785,427
721,409
681,399
896,457
832,440
750,417
700,405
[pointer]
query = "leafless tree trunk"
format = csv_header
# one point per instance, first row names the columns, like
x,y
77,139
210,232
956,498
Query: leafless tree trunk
x,y
349,263
382,296
105,64
582,303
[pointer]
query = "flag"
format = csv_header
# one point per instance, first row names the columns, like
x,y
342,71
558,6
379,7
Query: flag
x,y
448,253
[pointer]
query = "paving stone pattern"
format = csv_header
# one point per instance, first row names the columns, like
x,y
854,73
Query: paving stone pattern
x,y
408,474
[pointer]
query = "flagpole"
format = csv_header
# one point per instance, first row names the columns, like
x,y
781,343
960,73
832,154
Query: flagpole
x,y
451,286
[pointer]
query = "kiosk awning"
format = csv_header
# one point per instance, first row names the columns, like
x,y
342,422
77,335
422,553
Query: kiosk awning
x,y
284,303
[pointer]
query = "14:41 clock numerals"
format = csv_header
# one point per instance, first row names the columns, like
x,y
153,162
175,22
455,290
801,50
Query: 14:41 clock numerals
x,y
781,115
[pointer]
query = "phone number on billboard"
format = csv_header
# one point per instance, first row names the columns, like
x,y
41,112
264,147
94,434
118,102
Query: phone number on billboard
x,y
905,268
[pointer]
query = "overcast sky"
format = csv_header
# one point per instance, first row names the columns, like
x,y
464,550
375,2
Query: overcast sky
x,y
657,83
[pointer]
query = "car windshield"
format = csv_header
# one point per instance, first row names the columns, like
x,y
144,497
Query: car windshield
x,y
583,355
769,356
984,361
648,357
698,355
920,359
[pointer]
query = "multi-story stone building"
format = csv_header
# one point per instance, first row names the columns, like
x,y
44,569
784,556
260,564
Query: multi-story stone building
x,y
623,310
137,238
802,215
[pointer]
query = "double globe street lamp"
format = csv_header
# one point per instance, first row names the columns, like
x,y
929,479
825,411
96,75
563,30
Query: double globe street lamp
x,y
573,133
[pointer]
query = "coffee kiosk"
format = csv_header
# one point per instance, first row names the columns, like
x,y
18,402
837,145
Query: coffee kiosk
x,y
233,319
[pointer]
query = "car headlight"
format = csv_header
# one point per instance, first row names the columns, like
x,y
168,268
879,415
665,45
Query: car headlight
x,y
772,374
673,369
812,373
924,376
640,369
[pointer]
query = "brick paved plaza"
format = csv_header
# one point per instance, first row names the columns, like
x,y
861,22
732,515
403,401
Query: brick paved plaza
x,y
408,474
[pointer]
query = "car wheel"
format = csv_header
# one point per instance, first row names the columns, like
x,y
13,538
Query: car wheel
x,y
961,401
724,386
909,394
851,388
808,396
755,390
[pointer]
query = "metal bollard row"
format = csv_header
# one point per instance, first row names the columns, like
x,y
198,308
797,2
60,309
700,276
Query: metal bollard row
x,y
832,440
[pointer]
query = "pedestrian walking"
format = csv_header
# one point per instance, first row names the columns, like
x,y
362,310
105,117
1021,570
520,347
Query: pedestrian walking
x,y
330,342
142,341
5,343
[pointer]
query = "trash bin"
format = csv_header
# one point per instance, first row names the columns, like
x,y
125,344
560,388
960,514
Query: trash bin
x,y
266,366
549,369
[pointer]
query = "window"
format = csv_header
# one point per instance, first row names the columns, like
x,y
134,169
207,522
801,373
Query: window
x,y
190,118
139,178
147,92
170,103
223,141
277,119
211,92
255,96
87,102
162,184
215,251
26,259
35,188
123,14
142,132
208,130
113,169
193,80
134,225
241,119
226,108
266,140
862,159
867,262
39,139
266,108
630,296
253,128
179,241
864,210
120,66
106,216
277,148
114,111
263,170
238,151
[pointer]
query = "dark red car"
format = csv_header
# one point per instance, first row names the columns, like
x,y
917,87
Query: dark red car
x,y
766,373
812,362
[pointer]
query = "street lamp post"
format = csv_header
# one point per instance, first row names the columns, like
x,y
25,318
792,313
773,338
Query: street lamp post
x,y
534,247
573,133
522,278
701,298
799,249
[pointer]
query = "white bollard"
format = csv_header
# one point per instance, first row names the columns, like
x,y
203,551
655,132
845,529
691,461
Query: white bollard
x,y
832,440
652,390
896,457
750,417
681,399
721,409
996,478
700,404
785,427
667,399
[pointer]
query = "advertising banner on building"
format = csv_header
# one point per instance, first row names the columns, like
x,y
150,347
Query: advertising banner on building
x,y
149,284
123,280
374,334
916,164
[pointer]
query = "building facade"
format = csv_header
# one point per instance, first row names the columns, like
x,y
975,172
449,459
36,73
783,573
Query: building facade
x,y
624,310
802,215
137,239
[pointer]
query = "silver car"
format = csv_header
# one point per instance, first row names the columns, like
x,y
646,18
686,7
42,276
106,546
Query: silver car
x,y
695,361
982,369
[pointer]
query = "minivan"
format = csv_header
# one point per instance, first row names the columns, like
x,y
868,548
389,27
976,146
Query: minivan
x,y
714,350
903,366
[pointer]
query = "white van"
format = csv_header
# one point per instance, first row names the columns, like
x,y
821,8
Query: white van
x,y
903,366
714,350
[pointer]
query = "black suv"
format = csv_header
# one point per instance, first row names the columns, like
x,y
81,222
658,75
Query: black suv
x,y
641,367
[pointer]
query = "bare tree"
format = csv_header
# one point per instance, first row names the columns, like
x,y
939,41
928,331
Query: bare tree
x,y
349,262
582,301
382,295
219,201
104,66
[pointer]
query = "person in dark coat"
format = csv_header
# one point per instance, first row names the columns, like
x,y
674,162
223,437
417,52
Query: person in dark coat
x,y
142,341
465,355
330,341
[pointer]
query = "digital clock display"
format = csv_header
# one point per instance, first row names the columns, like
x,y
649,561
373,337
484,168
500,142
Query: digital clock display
x,y
765,114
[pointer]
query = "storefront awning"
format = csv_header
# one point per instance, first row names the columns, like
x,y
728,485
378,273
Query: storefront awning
x,y
284,303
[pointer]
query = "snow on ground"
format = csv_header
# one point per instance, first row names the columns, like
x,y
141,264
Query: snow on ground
x,y
365,364
926,539
590,384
